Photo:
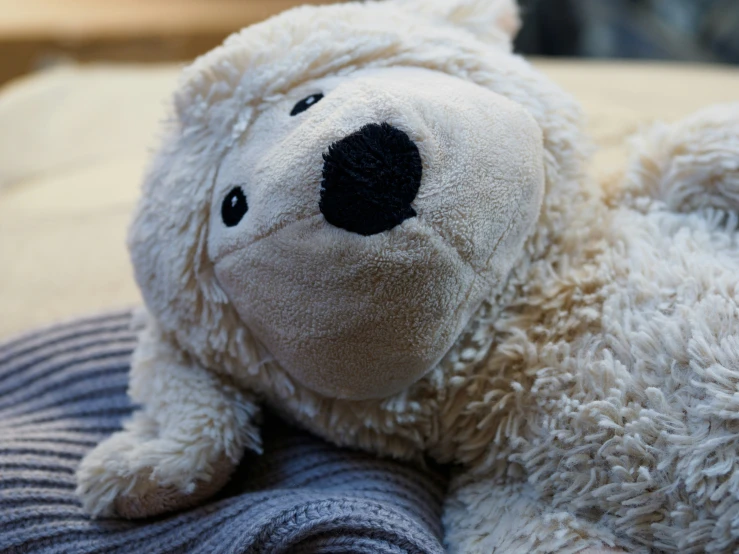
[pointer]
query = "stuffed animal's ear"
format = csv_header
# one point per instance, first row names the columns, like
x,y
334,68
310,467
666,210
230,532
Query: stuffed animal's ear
x,y
495,21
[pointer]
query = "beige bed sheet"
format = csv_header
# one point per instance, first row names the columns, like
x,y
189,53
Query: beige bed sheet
x,y
74,142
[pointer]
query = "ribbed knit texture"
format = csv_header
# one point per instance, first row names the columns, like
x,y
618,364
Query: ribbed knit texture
x,y
63,389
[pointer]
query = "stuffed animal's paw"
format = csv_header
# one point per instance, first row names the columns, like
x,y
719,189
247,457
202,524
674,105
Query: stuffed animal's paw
x,y
691,164
134,477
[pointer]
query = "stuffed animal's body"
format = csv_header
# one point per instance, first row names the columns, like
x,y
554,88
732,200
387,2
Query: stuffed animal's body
x,y
374,218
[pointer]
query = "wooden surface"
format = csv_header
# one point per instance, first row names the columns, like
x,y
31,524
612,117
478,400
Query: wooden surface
x,y
38,33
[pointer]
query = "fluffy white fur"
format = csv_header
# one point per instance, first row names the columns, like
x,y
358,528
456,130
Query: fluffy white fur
x,y
592,398
494,21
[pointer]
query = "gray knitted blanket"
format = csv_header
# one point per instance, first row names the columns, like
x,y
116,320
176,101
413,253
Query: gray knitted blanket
x,y
63,389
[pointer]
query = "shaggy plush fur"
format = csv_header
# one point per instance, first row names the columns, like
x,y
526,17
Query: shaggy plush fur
x,y
588,392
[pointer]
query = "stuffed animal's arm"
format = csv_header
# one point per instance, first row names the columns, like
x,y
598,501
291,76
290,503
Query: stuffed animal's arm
x,y
688,165
482,516
180,448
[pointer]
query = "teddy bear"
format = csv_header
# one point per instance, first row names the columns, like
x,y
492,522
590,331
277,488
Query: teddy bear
x,y
377,220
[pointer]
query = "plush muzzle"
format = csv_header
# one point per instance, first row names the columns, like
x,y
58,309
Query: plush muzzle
x,y
357,237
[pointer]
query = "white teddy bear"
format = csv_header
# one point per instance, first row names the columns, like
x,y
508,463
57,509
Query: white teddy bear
x,y
374,218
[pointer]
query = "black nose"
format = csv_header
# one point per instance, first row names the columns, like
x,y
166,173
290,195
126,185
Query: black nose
x,y
370,179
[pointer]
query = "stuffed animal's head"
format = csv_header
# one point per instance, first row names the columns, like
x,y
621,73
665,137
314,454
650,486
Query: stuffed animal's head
x,y
344,185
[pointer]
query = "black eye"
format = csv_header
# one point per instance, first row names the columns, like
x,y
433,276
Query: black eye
x,y
306,103
234,207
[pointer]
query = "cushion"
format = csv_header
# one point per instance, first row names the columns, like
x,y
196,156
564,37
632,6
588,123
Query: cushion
x,y
63,389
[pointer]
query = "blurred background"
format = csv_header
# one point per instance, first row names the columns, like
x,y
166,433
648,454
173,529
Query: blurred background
x,y
39,33
684,30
